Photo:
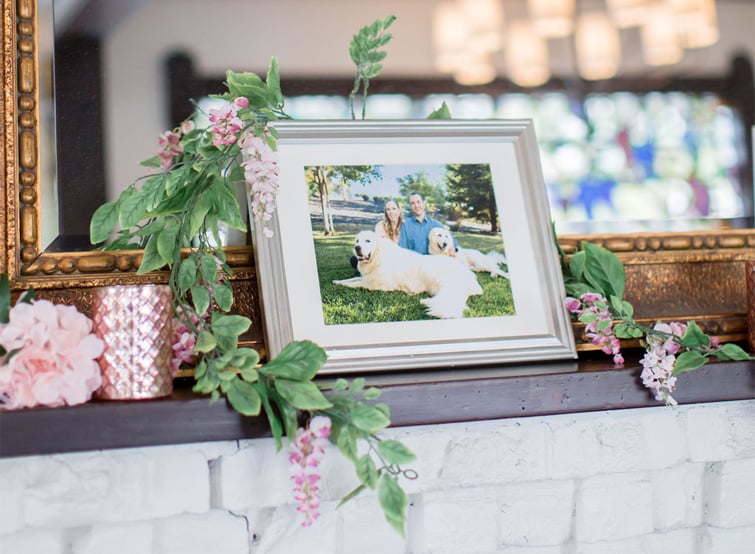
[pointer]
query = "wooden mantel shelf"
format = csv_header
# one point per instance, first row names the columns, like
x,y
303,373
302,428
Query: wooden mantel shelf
x,y
427,398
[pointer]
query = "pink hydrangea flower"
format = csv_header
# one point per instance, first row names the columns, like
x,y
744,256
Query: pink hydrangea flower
x,y
56,363
307,451
261,175
170,147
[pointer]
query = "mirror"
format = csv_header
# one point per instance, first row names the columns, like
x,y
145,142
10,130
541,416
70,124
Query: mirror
x,y
137,95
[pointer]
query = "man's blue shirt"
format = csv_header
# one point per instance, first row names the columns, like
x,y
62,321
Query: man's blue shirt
x,y
414,233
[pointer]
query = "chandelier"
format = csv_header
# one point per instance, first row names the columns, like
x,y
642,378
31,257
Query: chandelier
x,y
469,33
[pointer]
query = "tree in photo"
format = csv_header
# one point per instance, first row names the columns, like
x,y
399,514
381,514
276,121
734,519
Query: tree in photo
x,y
324,179
432,193
470,191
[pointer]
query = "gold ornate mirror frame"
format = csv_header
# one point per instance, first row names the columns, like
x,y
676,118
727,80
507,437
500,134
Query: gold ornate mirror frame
x,y
689,275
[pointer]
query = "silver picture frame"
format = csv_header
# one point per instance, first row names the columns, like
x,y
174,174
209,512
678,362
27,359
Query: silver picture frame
x,y
291,302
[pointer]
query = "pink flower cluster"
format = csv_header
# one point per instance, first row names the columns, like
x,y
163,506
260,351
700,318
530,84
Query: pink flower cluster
x,y
307,451
592,309
55,360
226,122
170,144
184,340
658,361
261,174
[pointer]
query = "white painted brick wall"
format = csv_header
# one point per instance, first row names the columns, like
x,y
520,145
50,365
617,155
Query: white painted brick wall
x,y
647,481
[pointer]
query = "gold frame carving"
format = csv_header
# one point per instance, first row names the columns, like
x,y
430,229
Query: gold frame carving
x,y
681,275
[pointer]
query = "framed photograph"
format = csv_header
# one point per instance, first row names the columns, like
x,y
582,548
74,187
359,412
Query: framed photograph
x,y
412,244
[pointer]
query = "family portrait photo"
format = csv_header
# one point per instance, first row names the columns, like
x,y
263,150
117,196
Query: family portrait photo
x,y
407,242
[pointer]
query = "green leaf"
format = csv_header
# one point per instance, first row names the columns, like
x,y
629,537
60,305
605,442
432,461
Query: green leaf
x,y
275,423
103,222
205,342
604,270
694,337
577,265
688,361
357,385
369,419
356,492
441,113
199,213
154,162
223,295
167,239
299,360
340,384
229,325
303,395
394,502
151,259
244,398
274,82
394,452
366,471
209,268
187,273
731,351
248,85
132,208
200,297
372,393
347,444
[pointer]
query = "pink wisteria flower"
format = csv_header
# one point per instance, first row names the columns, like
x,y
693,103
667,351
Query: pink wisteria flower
x,y
261,175
55,360
658,362
184,340
592,309
307,451
226,122
170,147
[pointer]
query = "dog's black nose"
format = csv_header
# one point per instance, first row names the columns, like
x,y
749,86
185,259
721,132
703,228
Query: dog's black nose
x,y
358,250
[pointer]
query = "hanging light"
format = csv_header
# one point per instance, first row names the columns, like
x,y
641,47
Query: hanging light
x,y
449,35
526,55
552,18
697,22
474,72
628,13
598,46
484,22
659,45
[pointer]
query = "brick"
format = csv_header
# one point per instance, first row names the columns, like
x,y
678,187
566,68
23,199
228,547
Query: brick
x,y
12,471
115,538
117,485
35,541
280,531
536,514
727,541
255,476
215,531
624,546
533,550
730,489
365,530
679,541
678,495
721,431
429,444
493,453
611,507
590,444
464,520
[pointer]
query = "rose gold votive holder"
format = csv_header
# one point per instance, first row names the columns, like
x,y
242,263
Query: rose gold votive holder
x,y
750,276
135,323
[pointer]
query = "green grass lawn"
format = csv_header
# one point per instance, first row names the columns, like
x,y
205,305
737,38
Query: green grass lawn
x,y
342,305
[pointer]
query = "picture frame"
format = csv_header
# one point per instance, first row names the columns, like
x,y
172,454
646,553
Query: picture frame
x,y
296,276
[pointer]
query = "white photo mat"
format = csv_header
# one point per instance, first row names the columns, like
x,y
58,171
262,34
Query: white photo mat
x,y
287,269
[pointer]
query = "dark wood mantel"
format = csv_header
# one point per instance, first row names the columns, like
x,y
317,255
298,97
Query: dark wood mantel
x,y
433,397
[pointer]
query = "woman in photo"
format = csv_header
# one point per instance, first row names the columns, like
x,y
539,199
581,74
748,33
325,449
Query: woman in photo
x,y
390,226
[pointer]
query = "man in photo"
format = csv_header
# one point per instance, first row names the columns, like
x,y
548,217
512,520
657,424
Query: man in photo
x,y
417,225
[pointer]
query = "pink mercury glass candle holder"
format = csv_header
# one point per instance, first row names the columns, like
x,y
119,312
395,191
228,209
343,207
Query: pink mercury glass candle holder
x,y
135,324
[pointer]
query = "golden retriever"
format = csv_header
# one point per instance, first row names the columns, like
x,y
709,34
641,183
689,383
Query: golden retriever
x,y
386,266
442,242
